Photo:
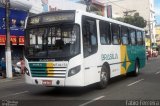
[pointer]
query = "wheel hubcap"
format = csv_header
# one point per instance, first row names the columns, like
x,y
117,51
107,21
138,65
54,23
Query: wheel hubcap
x,y
104,77
137,70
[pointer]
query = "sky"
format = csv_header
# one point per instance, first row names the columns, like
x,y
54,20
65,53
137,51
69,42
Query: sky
x,y
157,10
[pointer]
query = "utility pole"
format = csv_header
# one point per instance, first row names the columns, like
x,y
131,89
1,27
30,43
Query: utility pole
x,y
8,47
6,3
150,34
88,3
108,7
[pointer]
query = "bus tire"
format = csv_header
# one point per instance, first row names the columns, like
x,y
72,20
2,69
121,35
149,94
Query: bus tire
x,y
136,70
104,77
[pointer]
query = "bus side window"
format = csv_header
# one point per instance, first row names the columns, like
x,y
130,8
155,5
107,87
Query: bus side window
x,y
89,32
132,37
115,34
124,35
104,32
139,38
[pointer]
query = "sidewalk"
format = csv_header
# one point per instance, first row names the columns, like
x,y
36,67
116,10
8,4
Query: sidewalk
x,y
15,77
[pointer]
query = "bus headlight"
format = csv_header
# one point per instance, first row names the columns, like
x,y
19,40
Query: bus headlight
x,y
26,71
74,71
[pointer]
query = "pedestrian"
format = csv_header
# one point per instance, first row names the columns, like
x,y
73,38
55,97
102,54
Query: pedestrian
x,y
22,65
3,65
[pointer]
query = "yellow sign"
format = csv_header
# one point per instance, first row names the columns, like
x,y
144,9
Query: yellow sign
x,y
158,32
148,42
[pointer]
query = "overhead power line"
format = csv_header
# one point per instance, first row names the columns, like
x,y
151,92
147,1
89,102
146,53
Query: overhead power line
x,y
113,2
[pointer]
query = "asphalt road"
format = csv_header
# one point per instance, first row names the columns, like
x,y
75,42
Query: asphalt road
x,y
142,90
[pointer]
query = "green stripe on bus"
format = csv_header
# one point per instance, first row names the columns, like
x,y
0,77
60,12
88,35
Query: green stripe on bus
x,y
37,65
39,75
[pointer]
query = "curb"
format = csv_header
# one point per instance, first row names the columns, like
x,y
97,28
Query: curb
x,y
10,79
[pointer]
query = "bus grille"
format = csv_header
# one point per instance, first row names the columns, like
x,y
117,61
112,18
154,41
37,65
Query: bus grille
x,y
45,71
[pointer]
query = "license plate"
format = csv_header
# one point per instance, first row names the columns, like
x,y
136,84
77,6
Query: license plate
x,y
47,82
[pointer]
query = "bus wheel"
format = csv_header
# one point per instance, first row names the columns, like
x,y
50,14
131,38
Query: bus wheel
x,y
104,77
136,70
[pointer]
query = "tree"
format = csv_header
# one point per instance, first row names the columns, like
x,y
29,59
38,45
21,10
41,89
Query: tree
x,y
136,20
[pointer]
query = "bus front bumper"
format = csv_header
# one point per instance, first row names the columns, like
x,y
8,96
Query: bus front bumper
x,y
45,81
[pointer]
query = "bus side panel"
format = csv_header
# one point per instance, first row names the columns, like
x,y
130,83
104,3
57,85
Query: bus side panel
x,y
129,54
141,55
127,59
106,53
131,57
111,55
91,70
132,52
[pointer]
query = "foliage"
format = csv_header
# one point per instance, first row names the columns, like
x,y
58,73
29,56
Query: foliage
x,y
134,20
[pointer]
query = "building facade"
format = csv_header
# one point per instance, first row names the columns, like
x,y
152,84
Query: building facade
x,y
39,6
145,8
17,23
158,35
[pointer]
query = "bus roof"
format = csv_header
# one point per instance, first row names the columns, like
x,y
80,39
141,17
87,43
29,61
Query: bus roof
x,y
108,19
50,12
91,15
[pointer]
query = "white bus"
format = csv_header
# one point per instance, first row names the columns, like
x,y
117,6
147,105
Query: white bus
x,y
76,49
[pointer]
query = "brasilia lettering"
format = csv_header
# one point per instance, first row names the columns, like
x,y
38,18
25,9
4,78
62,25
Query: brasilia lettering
x,y
109,56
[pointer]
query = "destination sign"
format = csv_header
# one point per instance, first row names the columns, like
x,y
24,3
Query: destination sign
x,y
35,20
58,17
51,18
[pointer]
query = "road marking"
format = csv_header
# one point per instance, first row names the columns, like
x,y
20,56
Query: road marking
x,y
95,99
135,82
158,72
14,94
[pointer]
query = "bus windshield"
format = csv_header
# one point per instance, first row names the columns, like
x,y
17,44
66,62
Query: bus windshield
x,y
56,41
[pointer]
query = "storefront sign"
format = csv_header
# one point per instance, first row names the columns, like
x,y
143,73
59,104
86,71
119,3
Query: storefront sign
x,y
21,40
2,40
17,22
12,39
